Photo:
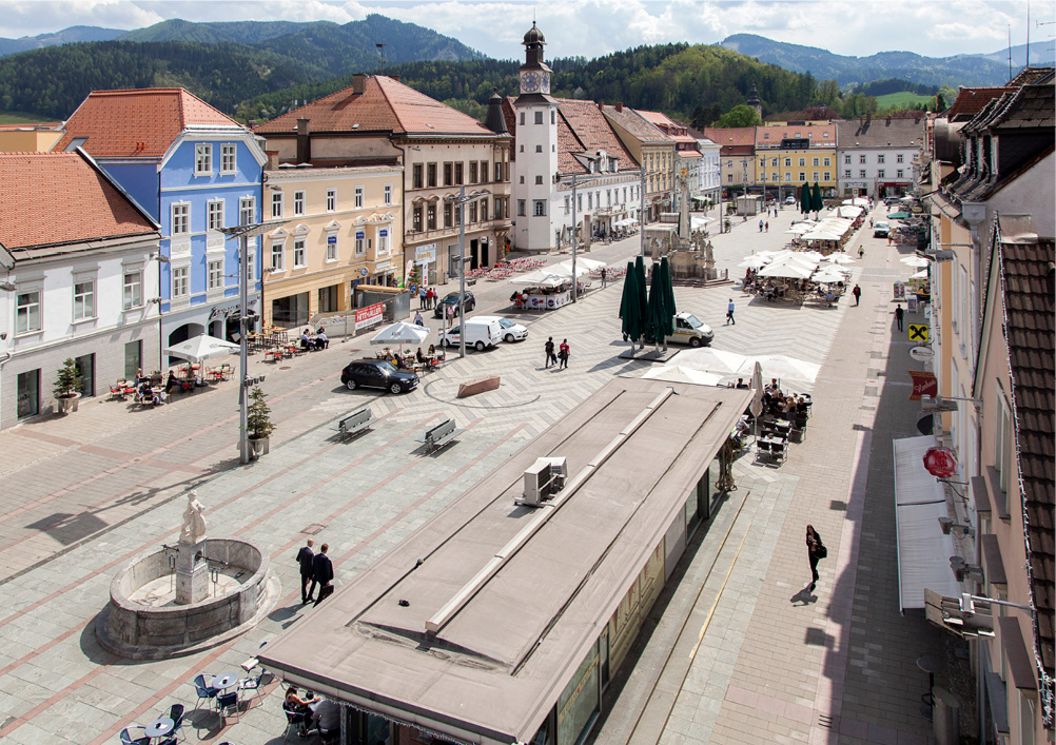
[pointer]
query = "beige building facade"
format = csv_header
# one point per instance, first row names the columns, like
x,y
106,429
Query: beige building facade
x,y
30,137
343,227
653,149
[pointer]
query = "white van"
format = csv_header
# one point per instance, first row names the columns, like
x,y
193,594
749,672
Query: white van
x,y
481,333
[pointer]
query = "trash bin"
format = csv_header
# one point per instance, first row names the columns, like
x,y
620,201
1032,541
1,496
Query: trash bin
x,y
945,721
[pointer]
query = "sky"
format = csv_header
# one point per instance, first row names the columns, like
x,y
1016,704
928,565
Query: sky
x,y
590,28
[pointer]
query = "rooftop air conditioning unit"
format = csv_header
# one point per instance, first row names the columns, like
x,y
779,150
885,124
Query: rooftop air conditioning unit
x,y
542,479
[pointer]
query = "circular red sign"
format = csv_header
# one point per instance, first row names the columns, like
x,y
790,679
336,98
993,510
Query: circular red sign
x,y
940,462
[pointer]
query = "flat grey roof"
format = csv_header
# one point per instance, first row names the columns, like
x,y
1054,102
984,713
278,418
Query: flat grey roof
x,y
518,594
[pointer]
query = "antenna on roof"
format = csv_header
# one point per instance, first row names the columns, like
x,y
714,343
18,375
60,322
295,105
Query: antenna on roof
x,y
381,51
1010,51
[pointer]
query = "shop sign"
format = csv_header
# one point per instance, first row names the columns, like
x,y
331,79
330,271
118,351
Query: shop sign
x,y
940,462
924,384
382,265
231,309
331,239
369,316
425,254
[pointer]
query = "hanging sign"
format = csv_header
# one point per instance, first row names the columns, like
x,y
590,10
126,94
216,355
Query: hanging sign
x,y
369,316
924,384
940,462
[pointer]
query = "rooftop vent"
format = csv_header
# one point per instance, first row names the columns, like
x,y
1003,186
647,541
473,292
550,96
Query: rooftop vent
x,y
542,480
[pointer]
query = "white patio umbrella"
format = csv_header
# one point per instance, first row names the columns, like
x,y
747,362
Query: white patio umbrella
x,y
712,360
756,406
785,367
401,333
838,259
917,262
828,276
754,262
540,278
800,228
922,274
583,267
201,347
698,223
680,374
787,270
821,235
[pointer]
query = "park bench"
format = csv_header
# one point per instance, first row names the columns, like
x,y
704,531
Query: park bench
x,y
355,422
437,436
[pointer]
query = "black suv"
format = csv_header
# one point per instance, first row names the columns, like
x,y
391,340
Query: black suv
x,y
451,301
377,374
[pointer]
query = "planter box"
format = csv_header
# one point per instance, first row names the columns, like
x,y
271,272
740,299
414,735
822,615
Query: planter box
x,y
66,404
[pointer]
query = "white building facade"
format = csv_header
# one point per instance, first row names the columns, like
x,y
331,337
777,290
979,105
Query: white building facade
x,y
878,158
710,188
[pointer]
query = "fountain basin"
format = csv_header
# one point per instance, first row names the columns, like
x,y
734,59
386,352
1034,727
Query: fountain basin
x,y
142,620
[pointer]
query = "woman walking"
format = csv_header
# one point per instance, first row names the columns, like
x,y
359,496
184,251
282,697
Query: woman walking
x,y
815,552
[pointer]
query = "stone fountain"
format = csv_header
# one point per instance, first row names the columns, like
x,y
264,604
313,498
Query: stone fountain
x,y
187,597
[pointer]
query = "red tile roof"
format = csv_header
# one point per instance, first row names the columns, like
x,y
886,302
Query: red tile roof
x,y
385,106
636,125
970,101
667,125
732,140
588,132
139,122
818,134
62,198
30,126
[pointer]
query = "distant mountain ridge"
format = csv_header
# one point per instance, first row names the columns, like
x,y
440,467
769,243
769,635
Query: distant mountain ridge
x,y
70,35
845,70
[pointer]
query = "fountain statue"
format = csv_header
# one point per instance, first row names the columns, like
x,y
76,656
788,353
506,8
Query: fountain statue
x,y
193,531
192,570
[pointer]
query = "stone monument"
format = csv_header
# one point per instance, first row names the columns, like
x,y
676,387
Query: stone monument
x,y
192,570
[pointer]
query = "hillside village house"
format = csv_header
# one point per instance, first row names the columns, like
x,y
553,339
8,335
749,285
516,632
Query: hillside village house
x,y
378,121
652,149
195,171
877,157
343,227
567,163
80,273
787,155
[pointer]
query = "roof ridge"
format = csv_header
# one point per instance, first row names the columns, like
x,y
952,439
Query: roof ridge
x,y
385,95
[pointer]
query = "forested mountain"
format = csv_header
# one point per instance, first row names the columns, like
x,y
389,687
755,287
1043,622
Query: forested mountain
x,y
931,71
70,35
697,83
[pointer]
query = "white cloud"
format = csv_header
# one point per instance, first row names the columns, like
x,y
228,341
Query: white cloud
x,y
593,27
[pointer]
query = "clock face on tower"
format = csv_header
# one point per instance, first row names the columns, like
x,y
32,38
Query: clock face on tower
x,y
530,82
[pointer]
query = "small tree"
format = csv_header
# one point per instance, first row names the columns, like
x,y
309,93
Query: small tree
x,y
259,415
68,380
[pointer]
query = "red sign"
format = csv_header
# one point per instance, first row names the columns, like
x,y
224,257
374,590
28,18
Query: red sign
x,y
924,384
369,316
940,462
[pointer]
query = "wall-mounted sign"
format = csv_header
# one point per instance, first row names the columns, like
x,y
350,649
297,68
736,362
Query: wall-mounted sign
x,y
922,354
369,316
924,384
425,254
940,462
331,239
363,271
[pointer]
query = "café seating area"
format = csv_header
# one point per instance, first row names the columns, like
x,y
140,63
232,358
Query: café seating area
x,y
783,421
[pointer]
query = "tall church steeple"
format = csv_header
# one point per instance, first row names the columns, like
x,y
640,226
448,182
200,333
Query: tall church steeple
x,y
534,73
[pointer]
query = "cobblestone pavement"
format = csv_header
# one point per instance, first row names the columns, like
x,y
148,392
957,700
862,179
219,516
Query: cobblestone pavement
x,y
85,494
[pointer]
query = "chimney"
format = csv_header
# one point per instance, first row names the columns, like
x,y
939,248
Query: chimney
x,y
395,77
495,121
619,107
273,159
304,141
359,82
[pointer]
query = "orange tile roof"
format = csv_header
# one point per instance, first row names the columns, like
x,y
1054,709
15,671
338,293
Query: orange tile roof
x,y
385,106
139,122
731,136
667,125
970,101
30,126
636,125
592,131
62,198
818,134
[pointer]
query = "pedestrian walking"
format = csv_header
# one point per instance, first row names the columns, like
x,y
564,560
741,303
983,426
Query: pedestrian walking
x,y
563,352
767,226
760,226
816,551
304,559
549,349
418,320
604,277
899,315
857,292
861,250
729,314
323,573
430,298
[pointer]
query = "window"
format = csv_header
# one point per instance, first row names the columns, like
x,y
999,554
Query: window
x,y
132,290
861,159
1003,446
521,206
430,216
458,174
416,177
298,253
331,200
522,118
880,158
28,389
251,256
538,180
448,219
246,209
331,247
383,241
484,171
214,215
847,173
277,257
430,174
473,212
538,148
180,281
181,218
553,116
276,204
416,219
802,176
203,159
816,162
538,117
215,275
448,179
474,171
880,173
802,162
846,160
484,209
814,176
898,158
861,173
568,205
27,312
298,203
522,179
788,162
539,207
828,176
359,196
133,358
388,195
899,173
361,242
590,200
227,157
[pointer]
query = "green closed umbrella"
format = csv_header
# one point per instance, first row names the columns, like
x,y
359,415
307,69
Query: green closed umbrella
x,y
816,205
643,302
804,198
669,298
629,312
657,319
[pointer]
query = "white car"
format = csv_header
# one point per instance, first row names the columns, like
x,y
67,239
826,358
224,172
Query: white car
x,y
790,199
482,332
689,330
511,330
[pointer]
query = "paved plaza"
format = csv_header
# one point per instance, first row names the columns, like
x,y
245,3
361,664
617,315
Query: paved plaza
x,y
737,651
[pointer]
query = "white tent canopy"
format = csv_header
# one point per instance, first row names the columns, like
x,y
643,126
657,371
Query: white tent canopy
x,y
583,266
922,274
859,201
541,278
201,347
680,374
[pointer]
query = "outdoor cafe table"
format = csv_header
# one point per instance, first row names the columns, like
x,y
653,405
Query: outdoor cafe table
x,y
224,681
160,727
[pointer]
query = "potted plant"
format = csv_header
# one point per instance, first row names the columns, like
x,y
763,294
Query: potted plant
x,y
259,422
67,390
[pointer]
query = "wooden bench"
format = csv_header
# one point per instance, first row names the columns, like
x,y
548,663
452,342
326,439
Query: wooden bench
x,y
437,436
355,422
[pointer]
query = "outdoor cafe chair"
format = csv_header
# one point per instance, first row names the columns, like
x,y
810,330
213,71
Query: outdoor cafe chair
x,y
228,703
176,712
295,720
205,692
128,739
252,684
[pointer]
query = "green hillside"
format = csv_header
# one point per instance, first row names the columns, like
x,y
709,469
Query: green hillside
x,y
903,100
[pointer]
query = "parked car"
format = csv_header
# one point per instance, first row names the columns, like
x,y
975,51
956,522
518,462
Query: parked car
x,y
481,332
451,301
377,374
690,330
790,199
511,330
881,229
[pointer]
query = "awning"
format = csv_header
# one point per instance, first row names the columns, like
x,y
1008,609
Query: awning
x,y
923,551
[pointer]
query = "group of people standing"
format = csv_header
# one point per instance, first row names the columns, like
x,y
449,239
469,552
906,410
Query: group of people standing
x,y
426,298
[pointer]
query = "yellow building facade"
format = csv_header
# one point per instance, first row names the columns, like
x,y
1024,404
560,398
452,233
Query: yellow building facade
x,y
29,137
787,155
343,227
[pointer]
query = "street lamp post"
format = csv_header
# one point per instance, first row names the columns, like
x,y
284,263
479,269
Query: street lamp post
x,y
641,208
575,240
461,200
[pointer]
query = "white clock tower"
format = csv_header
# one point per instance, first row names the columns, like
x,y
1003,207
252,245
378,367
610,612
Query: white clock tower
x,y
536,156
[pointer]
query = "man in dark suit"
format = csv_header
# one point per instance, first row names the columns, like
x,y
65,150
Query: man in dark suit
x,y
305,559
323,573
